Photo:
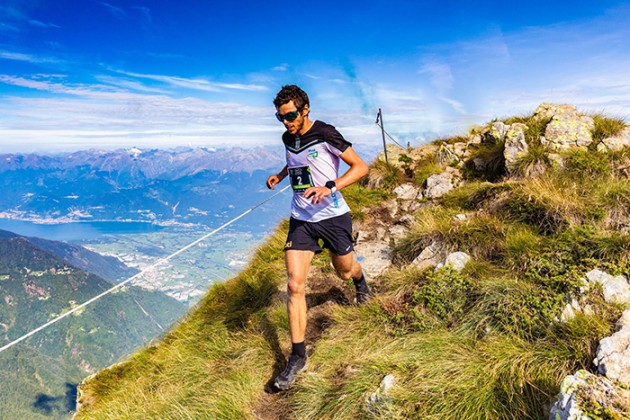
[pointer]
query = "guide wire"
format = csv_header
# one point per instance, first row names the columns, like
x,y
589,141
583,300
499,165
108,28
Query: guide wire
x,y
389,135
135,276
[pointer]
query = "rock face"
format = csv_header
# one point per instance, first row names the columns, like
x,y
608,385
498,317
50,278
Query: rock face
x,y
613,353
430,256
618,142
440,184
567,129
616,289
586,396
515,145
408,192
456,260
584,392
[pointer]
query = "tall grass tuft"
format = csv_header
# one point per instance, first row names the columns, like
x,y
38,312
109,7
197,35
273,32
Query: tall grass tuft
x,y
605,127
384,176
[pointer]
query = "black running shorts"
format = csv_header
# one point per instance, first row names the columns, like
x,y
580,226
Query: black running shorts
x,y
336,233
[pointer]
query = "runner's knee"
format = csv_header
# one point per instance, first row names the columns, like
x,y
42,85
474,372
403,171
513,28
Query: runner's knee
x,y
295,287
345,274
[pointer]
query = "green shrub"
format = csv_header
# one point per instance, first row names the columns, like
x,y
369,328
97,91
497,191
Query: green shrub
x,y
445,293
588,163
424,168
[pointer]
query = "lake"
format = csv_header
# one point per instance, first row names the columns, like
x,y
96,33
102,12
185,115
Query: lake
x,y
78,231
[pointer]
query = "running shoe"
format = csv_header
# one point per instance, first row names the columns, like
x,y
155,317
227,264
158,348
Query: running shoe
x,y
363,291
295,365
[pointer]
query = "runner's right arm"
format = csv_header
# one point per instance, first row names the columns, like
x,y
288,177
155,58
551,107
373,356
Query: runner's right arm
x,y
276,179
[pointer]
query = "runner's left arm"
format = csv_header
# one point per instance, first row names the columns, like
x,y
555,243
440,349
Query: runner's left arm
x,y
277,178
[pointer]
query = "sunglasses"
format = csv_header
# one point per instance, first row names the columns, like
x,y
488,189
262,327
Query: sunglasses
x,y
289,116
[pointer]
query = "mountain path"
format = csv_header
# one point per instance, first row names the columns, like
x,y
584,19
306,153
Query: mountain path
x,y
324,291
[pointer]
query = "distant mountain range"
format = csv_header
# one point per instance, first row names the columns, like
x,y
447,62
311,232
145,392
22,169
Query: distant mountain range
x,y
128,166
160,186
37,283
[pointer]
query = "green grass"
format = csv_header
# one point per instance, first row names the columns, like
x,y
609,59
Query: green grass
x,y
605,126
484,343
363,198
384,176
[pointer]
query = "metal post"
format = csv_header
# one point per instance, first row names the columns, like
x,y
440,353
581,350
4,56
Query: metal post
x,y
380,117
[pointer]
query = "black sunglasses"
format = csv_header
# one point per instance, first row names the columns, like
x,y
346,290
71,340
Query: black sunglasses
x,y
289,116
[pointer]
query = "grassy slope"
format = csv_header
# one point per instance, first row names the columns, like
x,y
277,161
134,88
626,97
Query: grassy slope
x,y
484,343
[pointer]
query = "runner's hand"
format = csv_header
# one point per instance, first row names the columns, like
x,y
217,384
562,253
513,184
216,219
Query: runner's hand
x,y
317,194
272,181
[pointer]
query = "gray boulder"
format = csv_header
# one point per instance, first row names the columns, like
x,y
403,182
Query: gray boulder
x,y
515,145
567,129
547,111
618,142
616,289
439,184
377,401
374,257
585,396
430,256
456,260
496,132
613,353
408,191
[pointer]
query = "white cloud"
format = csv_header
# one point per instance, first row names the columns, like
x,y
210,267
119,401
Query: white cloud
x,y
195,84
281,67
439,74
116,11
15,56
41,24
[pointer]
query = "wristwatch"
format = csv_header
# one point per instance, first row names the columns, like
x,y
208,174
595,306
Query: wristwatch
x,y
331,186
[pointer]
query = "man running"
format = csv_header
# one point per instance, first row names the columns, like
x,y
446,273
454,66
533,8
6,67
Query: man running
x,y
318,211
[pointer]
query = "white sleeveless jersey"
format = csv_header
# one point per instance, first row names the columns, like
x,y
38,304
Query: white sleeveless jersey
x,y
312,160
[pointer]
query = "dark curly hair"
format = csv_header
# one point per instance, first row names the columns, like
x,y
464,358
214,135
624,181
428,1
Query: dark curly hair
x,y
290,93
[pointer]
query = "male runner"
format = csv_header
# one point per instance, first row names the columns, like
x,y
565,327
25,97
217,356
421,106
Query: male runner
x,y
318,211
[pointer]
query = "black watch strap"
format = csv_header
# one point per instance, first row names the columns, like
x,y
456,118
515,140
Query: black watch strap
x,y
330,185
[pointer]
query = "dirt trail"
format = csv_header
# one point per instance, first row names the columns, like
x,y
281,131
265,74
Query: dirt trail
x,y
324,291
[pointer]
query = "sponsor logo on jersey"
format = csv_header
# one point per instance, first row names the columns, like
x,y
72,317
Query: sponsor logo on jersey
x,y
312,153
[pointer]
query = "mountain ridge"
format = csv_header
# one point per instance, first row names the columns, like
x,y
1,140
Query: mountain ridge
x,y
35,286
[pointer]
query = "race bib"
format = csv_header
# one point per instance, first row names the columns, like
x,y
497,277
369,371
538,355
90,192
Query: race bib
x,y
301,178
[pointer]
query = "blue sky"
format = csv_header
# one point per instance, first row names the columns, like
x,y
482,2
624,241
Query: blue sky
x,y
107,74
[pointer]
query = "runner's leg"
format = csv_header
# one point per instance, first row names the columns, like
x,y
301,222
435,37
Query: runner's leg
x,y
298,264
346,266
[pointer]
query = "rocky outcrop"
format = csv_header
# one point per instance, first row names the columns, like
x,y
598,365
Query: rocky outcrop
x,y
566,129
430,256
377,401
585,396
408,191
616,288
456,260
616,143
613,353
608,394
515,145
439,184
435,255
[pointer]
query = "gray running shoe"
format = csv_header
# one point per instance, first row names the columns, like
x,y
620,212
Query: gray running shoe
x,y
363,291
295,365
